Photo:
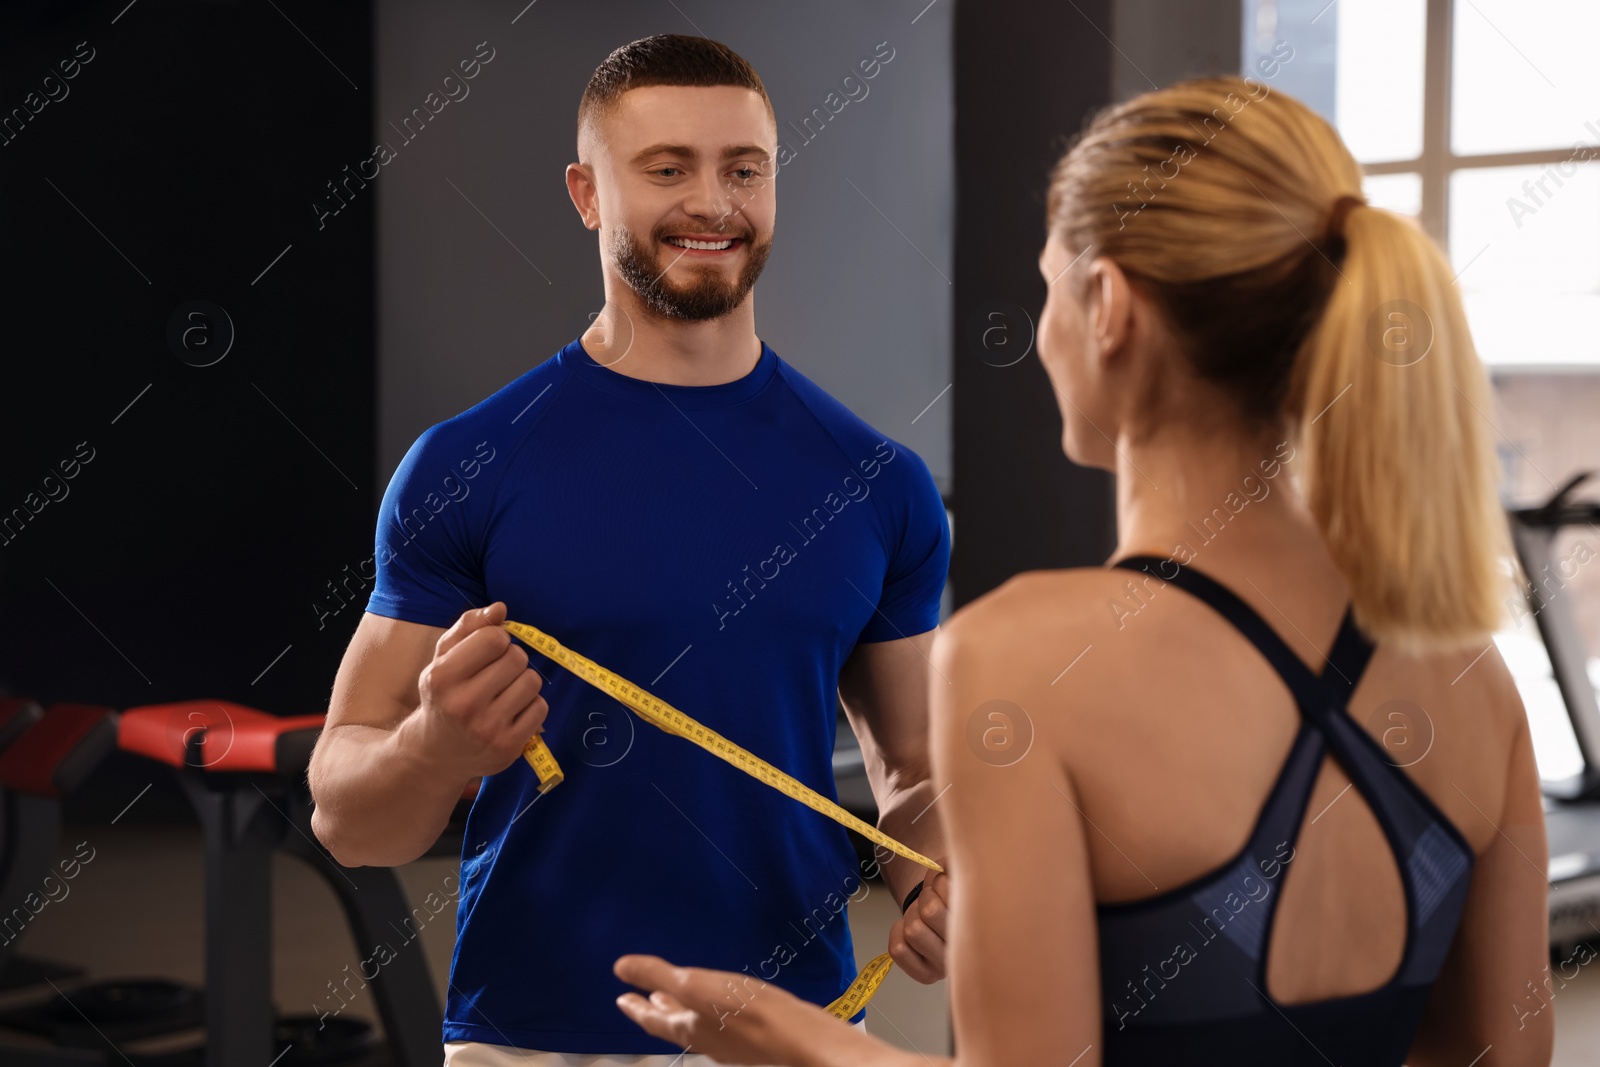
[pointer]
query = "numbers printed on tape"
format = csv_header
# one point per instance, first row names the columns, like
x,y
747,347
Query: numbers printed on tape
x,y
867,982
660,714
543,762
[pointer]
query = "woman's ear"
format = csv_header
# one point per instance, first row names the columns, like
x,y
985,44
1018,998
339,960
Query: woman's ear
x,y
1110,308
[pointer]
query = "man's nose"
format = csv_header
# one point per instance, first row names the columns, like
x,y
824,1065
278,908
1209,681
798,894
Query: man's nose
x,y
711,199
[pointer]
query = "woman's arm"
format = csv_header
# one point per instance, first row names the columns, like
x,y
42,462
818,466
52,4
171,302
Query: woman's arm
x,y
718,1014
1489,1005
1023,957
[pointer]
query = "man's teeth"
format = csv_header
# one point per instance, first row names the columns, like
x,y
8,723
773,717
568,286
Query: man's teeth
x,y
705,246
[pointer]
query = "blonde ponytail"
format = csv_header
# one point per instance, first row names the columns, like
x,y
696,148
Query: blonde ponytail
x,y
1396,458
1214,196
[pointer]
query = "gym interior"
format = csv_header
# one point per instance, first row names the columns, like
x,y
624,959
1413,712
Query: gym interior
x,y
231,315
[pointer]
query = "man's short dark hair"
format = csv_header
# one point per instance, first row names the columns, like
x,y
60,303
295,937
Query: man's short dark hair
x,y
667,59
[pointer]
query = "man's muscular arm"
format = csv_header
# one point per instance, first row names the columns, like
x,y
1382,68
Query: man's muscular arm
x,y
884,689
417,713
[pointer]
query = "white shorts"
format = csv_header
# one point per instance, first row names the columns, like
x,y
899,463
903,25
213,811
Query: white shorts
x,y
479,1054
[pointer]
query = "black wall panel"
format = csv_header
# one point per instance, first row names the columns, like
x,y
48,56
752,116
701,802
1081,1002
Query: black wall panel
x,y
186,363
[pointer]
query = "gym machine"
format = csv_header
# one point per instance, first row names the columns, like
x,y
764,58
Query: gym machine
x,y
1557,676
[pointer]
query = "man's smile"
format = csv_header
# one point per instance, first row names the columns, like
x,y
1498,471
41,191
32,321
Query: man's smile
x,y
700,246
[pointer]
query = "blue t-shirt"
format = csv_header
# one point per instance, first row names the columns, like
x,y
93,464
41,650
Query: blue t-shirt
x,y
723,546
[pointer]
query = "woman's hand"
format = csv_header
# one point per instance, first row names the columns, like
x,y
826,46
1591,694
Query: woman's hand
x,y
731,1017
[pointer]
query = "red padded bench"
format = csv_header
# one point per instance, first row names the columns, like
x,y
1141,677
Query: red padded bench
x,y
220,737
244,771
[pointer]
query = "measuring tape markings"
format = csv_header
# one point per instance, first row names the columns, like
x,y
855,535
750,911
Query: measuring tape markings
x,y
664,716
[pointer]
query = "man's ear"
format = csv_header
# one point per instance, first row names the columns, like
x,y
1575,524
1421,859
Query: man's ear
x,y
585,197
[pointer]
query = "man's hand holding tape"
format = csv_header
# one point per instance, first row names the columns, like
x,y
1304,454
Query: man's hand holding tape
x,y
917,939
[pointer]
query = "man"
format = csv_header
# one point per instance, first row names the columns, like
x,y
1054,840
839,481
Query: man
x,y
669,498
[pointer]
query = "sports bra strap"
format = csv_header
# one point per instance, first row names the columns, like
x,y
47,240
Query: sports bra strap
x,y
1348,658
1314,695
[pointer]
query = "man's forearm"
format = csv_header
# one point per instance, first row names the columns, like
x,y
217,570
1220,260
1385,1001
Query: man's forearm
x,y
380,801
907,816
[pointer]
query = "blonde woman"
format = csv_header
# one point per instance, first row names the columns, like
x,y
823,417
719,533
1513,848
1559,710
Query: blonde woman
x,y
1278,803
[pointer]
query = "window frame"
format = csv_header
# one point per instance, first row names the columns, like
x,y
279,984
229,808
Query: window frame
x,y
1438,161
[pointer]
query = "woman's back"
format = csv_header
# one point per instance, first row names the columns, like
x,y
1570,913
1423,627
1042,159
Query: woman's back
x,y
1173,728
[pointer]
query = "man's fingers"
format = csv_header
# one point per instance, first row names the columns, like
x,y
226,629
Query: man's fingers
x,y
469,622
924,941
476,644
904,955
521,696
917,951
497,675
472,654
933,910
911,961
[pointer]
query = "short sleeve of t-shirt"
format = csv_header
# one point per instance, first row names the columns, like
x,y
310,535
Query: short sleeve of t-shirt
x,y
909,602
428,559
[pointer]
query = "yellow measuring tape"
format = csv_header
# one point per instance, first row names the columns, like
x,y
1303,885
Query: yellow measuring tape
x,y
659,713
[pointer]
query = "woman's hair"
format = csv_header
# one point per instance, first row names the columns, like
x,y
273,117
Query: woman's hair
x,y
1341,328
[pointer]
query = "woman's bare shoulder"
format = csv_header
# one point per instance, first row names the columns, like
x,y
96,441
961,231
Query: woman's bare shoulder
x,y
1026,599
1036,624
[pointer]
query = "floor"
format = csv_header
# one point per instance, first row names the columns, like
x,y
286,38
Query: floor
x,y
119,919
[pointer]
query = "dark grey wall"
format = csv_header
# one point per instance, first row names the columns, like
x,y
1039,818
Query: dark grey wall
x,y
1029,75
484,269
1160,42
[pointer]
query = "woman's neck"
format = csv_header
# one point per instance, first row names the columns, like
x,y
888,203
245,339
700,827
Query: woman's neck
x,y
1181,492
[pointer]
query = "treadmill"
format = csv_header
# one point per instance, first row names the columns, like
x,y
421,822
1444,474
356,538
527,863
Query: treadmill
x,y
1557,675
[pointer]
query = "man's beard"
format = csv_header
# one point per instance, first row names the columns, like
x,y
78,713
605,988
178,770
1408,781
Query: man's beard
x,y
707,297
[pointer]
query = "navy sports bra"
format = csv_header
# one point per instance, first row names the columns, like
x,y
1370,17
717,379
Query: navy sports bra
x,y
1183,974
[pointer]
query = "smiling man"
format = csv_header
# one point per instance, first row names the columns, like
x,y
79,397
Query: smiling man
x,y
637,495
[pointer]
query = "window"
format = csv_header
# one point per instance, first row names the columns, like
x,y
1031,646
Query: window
x,y
1484,124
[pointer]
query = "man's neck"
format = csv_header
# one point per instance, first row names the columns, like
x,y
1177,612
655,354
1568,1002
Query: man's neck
x,y
641,344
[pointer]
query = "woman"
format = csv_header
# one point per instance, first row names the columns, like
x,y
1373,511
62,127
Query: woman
x,y
1310,563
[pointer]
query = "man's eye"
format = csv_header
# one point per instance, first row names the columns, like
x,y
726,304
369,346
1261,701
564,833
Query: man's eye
x,y
663,170
746,173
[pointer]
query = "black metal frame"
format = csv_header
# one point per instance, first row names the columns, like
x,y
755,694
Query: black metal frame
x,y
1533,531
244,819
30,833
